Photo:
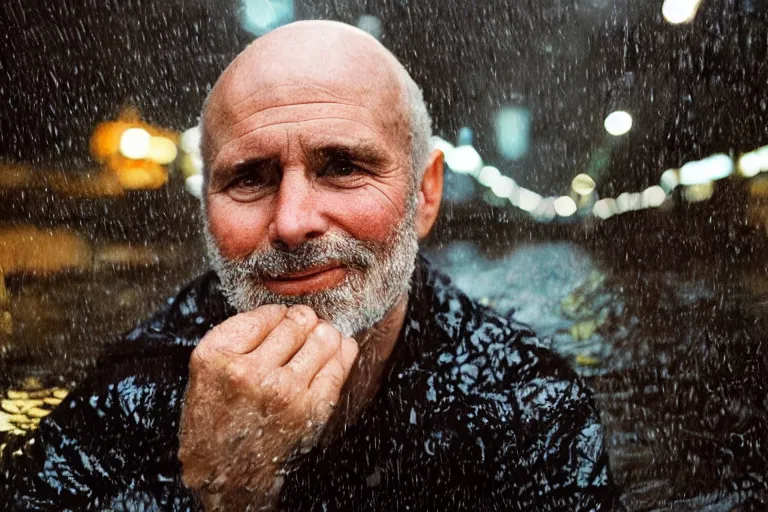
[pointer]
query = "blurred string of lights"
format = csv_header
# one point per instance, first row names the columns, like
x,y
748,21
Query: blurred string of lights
x,y
697,179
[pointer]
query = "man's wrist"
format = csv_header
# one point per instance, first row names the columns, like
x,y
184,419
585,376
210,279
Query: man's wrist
x,y
215,499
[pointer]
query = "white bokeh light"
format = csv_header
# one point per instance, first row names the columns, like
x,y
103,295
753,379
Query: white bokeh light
x,y
135,143
565,206
679,11
618,122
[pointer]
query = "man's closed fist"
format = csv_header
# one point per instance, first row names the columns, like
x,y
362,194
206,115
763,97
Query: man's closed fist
x,y
261,387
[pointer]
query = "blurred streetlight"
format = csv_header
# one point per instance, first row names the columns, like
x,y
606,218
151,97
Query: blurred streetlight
x,y
464,159
135,151
503,186
654,196
526,200
488,175
679,11
670,179
583,185
708,169
260,16
605,208
565,206
134,143
618,122
371,24
513,132
753,163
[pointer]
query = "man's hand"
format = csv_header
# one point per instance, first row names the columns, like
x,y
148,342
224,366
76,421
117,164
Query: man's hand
x,y
261,387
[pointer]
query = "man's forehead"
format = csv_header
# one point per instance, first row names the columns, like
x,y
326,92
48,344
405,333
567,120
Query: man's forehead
x,y
311,61
304,79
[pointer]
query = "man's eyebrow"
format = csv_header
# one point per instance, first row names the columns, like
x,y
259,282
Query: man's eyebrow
x,y
363,151
242,167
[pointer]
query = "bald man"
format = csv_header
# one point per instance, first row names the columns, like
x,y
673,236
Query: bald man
x,y
323,364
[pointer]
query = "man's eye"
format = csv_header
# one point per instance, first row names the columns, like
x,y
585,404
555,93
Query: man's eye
x,y
341,169
247,182
249,187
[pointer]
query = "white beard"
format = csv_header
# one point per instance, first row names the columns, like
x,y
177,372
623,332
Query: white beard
x,y
377,275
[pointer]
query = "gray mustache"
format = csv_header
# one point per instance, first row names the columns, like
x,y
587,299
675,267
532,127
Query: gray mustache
x,y
339,249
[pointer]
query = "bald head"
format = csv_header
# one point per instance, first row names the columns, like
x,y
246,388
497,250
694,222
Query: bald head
x,y
314,62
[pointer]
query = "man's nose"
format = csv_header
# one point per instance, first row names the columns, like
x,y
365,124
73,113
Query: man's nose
x,y
296,218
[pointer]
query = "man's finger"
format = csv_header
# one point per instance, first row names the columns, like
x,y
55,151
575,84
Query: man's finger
x,y
322,344
286,338
244,332
331,378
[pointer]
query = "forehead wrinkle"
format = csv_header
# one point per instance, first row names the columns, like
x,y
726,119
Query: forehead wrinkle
x,y
288,108
249,95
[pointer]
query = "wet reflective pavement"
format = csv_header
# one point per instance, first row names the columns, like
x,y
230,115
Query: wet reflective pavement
x,y
674,358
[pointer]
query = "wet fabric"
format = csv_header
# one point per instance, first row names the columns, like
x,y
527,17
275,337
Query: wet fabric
x,y
474,414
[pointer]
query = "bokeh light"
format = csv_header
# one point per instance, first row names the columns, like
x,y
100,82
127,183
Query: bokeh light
x,y
488,175
260,16
679,11
699,192
618,123
513,132
605,208
583,185
162,150
564,206
371,24
135,143
464,160
526,200
713,168
503,186
654,196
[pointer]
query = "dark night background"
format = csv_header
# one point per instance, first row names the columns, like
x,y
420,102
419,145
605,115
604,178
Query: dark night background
x,y
672,300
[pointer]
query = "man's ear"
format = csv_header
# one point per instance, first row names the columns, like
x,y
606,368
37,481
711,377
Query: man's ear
x,y
430,194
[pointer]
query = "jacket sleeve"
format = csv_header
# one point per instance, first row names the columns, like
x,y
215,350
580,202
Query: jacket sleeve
x,y
94,449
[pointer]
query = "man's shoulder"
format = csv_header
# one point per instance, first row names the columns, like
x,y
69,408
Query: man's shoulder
x,y
476,355
500,349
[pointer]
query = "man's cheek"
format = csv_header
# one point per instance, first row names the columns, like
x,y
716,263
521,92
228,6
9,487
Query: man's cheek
x,y
237,230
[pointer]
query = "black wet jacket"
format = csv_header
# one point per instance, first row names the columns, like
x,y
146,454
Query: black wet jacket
x,y
474,415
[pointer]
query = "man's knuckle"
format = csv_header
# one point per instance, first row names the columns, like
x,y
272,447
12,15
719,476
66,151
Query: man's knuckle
x,y
237,375
198,360
278,387
328,336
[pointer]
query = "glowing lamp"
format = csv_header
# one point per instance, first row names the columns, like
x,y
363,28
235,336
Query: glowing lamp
x,y
162,150
618,122
679,11
135,143
713,168
503,186
526,200
605,208
564,206
488,175
654,196
583,185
